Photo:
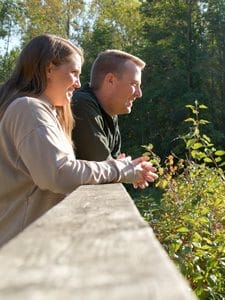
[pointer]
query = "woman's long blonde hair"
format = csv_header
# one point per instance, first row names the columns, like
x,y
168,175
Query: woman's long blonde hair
x,y
29,76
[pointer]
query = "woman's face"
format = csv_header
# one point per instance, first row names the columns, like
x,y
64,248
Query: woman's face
x,y
63,80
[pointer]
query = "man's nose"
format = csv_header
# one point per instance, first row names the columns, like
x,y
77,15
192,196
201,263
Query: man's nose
x,y
138,91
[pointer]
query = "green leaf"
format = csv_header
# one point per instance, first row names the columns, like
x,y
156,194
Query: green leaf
x,y
190,106
145,154
195,111
218,159
203,220
197,154
147,147
197,146
201,155
202,106
208,241
190,143
220,152
206,138
183,230
210,145
208,160
190,120
197,237
203,122
205,210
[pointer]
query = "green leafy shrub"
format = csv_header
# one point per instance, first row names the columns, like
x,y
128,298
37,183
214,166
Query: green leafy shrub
x,y
189,219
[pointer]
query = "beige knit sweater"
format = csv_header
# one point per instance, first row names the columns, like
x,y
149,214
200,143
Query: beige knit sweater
x,y
38,167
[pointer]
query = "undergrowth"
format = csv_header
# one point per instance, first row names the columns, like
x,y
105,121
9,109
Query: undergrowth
x,y
188,215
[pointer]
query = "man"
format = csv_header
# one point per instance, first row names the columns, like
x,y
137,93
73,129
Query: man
x,y
115,83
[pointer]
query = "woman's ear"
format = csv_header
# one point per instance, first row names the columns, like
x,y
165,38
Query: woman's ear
x,y
49,69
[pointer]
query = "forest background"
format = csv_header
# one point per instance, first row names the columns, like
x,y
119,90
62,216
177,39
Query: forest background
x,y
182,42
183,45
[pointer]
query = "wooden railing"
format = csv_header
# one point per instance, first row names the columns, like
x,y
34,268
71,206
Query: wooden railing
x,y
94,245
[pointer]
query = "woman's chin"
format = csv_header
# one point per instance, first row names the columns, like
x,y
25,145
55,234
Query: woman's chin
x,y
69,96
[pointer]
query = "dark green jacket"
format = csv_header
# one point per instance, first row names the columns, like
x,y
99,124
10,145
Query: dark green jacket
x,y
96,135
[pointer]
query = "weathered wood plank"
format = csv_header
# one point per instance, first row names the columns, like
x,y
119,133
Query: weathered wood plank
x,y
94,245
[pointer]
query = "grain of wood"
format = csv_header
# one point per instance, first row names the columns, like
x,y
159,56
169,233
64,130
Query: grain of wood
x,y
94,245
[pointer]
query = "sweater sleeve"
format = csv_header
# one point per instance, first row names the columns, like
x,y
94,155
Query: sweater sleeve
x,y
54,168
45,155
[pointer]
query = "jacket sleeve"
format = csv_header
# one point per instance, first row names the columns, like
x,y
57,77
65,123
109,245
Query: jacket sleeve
x,y
91,142
117,145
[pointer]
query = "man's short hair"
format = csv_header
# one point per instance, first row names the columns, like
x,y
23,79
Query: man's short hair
x,y
111,61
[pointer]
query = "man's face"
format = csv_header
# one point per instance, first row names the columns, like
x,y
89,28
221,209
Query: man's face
x,y
125,90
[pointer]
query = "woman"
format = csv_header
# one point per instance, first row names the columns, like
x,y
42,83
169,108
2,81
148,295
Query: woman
x,y
38,167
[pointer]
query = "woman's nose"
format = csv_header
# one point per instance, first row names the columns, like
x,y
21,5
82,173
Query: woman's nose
x,y
77,83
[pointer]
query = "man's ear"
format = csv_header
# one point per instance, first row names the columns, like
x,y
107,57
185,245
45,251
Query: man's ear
x,y
110,79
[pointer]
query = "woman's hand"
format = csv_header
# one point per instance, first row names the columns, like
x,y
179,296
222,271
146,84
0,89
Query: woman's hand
x,y
121,156
145,172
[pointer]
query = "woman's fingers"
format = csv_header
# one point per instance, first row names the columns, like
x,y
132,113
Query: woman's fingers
x,y
145,172
140,159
